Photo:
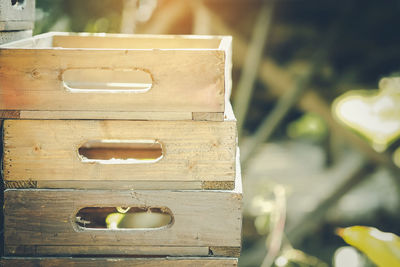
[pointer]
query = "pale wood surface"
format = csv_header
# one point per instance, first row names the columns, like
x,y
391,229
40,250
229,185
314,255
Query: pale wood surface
x,y
17,17
6,37
105,115
114,262
137,41
45,218
186,79
16,25
133,185
40,150
120,115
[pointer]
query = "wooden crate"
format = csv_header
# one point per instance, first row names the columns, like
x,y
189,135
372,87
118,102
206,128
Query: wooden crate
x,y
61,222
10,36
17,15
117,76
84,154
117,262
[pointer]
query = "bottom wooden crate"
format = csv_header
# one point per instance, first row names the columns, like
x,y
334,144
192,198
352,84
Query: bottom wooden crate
x,y
66,222
111,262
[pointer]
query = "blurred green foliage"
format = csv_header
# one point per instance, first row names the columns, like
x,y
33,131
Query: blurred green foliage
x,y
309,126
78,16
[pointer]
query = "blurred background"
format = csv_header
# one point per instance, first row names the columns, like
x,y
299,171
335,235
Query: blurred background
x,y
318,109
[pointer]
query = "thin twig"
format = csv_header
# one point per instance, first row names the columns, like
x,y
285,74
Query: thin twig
x,y
301,228
252,62
278,220
201,18
128,20
290,98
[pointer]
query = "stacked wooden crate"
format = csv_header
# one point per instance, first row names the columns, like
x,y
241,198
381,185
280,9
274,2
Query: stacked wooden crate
x,y
119,145
16,19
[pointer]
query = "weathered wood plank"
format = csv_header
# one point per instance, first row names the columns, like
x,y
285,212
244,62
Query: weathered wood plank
x,y
138,41
60,250
44,250
188,80
135,185
116,262
119,115
105,115
47,150
40,217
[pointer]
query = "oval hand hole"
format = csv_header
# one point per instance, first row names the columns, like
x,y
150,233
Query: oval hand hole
x,y
17,3
109,218
121,151
107,81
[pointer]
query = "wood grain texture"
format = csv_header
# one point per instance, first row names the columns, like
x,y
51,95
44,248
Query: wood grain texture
x,y
119,115
120,250
133,185
117,262
43,250
48,150
183,80
37,221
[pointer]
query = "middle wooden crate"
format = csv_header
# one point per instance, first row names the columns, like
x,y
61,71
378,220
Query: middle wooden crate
x,y
97,154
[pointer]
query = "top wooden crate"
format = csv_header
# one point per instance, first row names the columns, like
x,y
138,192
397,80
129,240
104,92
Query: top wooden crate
x,y
115,76
17,15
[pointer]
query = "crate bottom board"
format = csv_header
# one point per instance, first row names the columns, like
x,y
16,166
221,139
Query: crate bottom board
x,y
44,250
110,115
89,262
122,185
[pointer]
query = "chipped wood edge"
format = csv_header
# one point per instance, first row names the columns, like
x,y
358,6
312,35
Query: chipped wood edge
x,y
218,185
225,251
10,114
19,184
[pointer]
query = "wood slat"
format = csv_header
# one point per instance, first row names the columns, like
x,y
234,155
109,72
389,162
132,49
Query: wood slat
x,y
111,262
119,115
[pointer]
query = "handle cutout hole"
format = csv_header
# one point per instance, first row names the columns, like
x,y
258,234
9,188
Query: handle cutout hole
x,y
107,80
111,218
17,3
121,151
